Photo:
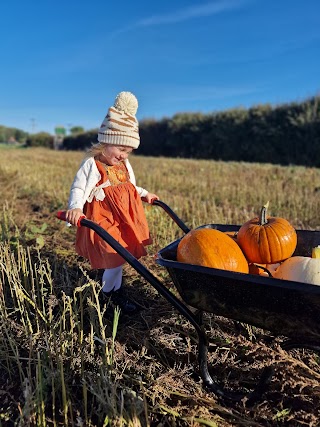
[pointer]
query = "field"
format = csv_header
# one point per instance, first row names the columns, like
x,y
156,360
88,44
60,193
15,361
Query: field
x,y
67,360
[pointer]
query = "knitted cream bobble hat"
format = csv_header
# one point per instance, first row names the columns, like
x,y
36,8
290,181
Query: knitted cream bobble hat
x,y
120,126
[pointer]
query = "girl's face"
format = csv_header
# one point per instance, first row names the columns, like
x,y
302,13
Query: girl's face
x,y
114,154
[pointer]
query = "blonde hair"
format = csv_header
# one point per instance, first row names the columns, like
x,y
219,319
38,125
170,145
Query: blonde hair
x,y
95,150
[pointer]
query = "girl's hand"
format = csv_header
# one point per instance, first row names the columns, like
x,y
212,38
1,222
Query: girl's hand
x,y
150,197
73,215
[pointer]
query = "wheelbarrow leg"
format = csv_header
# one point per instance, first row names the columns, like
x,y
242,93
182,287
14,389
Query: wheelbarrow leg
x,y
213,386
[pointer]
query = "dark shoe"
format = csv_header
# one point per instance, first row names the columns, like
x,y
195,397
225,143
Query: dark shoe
x,y
123,302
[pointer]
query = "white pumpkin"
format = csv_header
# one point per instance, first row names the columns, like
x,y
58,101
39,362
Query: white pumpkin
x,y
301,269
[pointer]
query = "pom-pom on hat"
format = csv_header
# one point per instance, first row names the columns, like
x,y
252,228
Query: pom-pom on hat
x,y
120,126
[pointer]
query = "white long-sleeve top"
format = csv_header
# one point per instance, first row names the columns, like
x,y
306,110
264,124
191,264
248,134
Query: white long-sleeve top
x,y
84,187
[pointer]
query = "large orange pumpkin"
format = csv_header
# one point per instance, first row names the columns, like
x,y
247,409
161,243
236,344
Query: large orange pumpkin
x,y
267,240
211,248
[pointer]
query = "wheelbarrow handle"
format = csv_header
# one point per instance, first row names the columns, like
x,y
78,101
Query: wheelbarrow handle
x,y
62,215
172,215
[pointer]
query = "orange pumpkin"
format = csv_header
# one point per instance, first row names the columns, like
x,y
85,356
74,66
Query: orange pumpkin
x,y
256,269
267,240
211,248
263,270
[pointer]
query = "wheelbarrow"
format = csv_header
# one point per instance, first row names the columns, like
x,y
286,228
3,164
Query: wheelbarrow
x,y
284,308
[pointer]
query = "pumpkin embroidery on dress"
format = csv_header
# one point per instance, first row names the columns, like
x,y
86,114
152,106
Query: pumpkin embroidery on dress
x,y
117,174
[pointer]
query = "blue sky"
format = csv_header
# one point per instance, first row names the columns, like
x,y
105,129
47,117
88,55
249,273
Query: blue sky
x,y
63,62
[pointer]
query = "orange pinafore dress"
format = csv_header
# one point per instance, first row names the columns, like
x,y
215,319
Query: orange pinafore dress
x,y
121,214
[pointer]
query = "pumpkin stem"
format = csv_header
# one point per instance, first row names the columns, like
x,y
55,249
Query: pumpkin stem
x,y
263,268
316,252
263,214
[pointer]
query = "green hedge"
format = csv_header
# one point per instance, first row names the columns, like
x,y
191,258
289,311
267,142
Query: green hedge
x,y
285,134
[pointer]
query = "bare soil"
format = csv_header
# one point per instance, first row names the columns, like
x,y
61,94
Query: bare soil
x,y
156,354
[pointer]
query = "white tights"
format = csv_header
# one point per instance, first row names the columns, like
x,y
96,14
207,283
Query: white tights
x,y
111,279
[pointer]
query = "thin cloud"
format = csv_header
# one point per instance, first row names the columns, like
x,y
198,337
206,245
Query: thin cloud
x,y
182,15
188,13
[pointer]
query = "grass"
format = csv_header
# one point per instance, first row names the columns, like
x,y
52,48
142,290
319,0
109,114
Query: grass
x,y
67,359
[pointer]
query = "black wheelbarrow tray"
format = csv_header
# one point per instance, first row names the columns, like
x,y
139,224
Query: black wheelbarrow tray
x,y
284,308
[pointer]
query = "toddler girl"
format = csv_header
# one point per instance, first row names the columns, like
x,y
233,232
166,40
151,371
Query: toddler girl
x,y
104,190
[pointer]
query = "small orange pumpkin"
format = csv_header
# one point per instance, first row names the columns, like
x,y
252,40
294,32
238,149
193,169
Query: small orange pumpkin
x,y
256,269
263,270
211,248
232,234
267,240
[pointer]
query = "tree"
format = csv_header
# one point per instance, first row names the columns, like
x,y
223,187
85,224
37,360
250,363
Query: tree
x,y
41,139
75,130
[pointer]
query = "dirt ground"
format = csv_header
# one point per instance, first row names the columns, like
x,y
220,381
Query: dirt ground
x,y
157,355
